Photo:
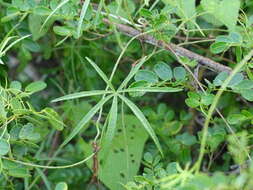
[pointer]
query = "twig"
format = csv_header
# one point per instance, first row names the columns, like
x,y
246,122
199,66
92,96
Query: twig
x,y
180,51
94,179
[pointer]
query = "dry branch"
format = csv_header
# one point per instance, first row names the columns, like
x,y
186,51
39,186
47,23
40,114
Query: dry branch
x,y
204,61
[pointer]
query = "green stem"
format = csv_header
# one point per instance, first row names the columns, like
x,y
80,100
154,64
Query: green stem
x,y
213,107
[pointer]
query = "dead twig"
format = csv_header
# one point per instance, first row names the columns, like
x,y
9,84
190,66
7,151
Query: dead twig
x,y
95,168
180,51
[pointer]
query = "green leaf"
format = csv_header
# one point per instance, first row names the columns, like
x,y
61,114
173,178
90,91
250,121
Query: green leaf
x,y
171,168
237,78
82,94
238,54
247,94
226,11
145,13
31,45
143,120
207,99
189,62
44,178
236,118
14,12
27,132
19,172
80,22
62,30
112,124
179,73
61,186
218,47
34,27
85,120
137,84
223,38
185,8
148,157
3,113
194,95
43,11
15,170
54,118
125,153
146,2
131,74
174,127
187,139
4,147
163,71
152,89
191,102
220,78
232,38
101,73
238,146
12,44
52,13
4,43
35,87
244,85
145,75
16,85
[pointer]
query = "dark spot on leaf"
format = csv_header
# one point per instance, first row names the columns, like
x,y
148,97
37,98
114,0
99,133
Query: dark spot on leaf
x,y
119,130
134,126
122,175
131,155
115,151
132,161
132,138
122,150
101,162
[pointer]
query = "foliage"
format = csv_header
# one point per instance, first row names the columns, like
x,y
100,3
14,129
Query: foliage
x,y
126,94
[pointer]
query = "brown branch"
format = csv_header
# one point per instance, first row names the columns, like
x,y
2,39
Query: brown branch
x,y
95,168
180,51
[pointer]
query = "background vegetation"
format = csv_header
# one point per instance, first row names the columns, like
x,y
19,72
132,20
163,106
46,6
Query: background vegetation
x,y
126,94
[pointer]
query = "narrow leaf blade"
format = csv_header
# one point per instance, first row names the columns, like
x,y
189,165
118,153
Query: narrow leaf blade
x,y
133,71
143,120
83,12
85,120
100,72
52,13
152,89
44,178
81,95
111,128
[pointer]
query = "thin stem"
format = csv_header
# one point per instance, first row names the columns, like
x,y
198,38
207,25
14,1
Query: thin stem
x,y
50,167
214,104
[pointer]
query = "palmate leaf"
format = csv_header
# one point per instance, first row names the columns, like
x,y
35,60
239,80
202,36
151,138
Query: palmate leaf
x,y
100,72
86,119
82,94
152,89
112,123
143,120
